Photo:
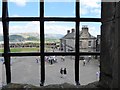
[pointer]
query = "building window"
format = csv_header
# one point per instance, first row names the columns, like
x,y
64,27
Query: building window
x,y
6,19
89,43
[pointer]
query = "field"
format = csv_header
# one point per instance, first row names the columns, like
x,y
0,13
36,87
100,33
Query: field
x,y
33,49
22,49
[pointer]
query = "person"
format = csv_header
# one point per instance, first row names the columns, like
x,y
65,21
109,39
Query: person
x,y
61,72
11,62
49,58
54,59
97,76
51,61
36,60
63,58
89,57
2,60
84,62
65,72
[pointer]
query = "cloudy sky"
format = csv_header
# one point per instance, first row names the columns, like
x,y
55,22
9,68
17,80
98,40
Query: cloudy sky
x,y
53,8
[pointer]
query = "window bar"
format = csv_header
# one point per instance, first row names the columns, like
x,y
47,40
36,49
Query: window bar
x,y
0,19
77,45
52,53
6,40
42,42
70,19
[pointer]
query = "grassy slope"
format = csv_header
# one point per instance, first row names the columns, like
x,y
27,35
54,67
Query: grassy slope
x,y
32,49
26,49
22,49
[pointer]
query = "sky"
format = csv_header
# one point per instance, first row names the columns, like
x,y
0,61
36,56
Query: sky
x,y
53,8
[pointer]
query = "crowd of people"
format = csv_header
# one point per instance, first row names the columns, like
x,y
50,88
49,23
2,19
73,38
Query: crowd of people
x,y
51,59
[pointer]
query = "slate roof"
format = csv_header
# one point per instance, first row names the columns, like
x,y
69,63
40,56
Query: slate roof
x,y
69,36
89,36
72,36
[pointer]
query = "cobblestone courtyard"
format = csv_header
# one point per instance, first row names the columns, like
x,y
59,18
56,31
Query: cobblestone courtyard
x,y
27,70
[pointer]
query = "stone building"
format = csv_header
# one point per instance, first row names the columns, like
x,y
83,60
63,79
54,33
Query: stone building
x,y
87,41
67,43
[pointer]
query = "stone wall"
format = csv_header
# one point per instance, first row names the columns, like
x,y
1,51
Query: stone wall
x,y
110,44
64,86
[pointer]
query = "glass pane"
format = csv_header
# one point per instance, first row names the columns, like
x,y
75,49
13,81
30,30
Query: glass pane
x,y
59,9
55,69
1,38
89,37
1,58
2,72
59,36
25,70
89,70
0,8
20,8
24,36
88,10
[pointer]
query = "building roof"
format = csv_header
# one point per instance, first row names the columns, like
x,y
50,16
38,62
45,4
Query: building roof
x,y
69,36
82,36
86,35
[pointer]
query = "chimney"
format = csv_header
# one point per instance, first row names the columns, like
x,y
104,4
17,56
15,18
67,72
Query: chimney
x,y
85,28
68,31
73,30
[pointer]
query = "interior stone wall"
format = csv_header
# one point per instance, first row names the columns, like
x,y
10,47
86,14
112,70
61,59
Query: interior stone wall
x,y
110,44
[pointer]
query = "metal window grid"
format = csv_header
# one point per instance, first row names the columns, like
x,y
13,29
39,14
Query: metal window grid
x,y
7,54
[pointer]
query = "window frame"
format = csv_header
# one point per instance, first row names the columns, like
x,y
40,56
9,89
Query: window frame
x,y
7,54
89,43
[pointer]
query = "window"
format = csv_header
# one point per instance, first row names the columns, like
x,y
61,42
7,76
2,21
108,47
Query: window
x,y
23,9
42,20
0,9
1,38
89,43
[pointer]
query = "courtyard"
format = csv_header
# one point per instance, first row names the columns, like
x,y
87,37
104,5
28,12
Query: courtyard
x,y
27,70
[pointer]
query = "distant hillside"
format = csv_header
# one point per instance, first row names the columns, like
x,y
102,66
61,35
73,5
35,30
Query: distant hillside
x,y
37,36
27,35
16,38
19,38
31,37
54,36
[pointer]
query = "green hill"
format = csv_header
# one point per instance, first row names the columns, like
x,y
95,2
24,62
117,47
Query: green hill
x,y
16,38
31,38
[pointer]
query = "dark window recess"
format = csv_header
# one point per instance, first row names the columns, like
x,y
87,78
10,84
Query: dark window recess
x,y
7,54
89,43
